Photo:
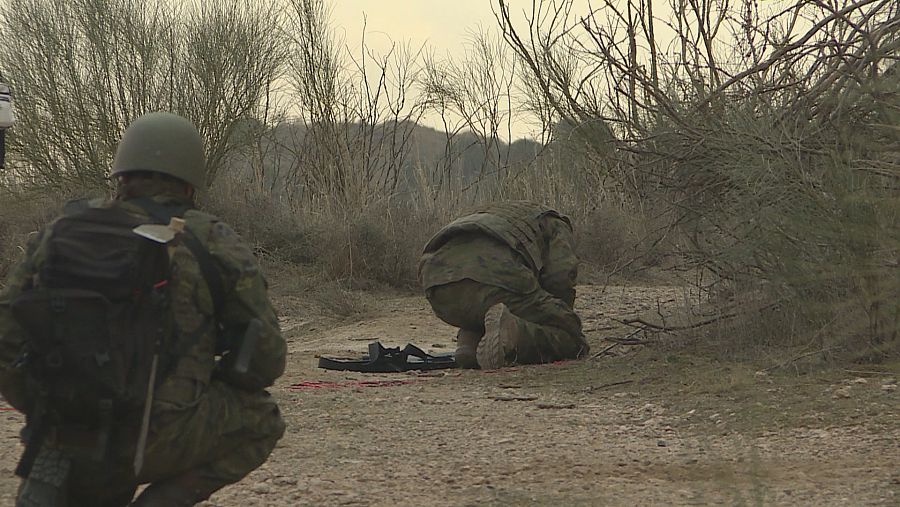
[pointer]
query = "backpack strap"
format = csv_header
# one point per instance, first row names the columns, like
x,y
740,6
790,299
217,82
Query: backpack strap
x,y
211,273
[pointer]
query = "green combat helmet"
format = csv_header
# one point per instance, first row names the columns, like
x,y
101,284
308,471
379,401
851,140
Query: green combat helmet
x,y
165,143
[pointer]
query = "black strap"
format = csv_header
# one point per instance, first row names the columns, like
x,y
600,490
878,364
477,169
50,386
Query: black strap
x,y
163,214
33,435
384,359
412,350
207,266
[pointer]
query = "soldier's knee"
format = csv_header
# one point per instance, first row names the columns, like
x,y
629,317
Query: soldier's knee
x,y
447,301
275,426
264,417
263,428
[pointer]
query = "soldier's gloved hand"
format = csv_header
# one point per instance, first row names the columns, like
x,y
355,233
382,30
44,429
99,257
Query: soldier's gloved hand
x,y
226,372
560,285
568,297
227,340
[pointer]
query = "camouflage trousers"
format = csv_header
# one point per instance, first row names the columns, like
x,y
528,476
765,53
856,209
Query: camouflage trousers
x,y
227,435
549,329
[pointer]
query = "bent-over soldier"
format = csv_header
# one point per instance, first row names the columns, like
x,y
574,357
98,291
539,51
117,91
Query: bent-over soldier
x,y
505,275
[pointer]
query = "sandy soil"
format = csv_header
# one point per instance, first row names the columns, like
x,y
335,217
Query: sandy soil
x,y
637,426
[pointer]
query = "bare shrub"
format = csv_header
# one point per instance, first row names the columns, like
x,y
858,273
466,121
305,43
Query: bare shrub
x,y
611,240
766,138
381,243
266,222
336,299
355,110
378,243
84,69
472,96
21,217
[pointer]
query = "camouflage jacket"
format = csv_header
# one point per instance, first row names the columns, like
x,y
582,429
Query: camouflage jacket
x,y
245,298
536,249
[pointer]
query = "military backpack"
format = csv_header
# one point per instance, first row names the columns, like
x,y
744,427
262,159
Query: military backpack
x,y
95,315
98,321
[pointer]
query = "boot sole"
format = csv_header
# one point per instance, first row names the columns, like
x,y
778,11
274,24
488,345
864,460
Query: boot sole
x,y
492,349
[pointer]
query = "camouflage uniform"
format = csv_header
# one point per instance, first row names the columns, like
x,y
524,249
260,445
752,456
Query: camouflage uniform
x,y
209,425
520,254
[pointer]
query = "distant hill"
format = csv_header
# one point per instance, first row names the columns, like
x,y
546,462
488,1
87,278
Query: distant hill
x,y
398,156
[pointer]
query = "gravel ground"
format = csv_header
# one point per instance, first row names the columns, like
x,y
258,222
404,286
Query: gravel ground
x,y
634,427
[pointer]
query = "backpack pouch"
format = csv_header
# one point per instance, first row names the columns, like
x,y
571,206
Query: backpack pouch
x,y
73,355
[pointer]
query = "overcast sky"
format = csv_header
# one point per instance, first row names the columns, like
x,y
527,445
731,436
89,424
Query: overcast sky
x,y
444,25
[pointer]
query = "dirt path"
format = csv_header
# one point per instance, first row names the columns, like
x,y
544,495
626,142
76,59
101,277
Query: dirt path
x,y
649,427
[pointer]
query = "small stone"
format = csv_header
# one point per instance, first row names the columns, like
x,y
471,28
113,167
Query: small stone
x,y
859,380
843,392
261,488
661,443
888,387
285,481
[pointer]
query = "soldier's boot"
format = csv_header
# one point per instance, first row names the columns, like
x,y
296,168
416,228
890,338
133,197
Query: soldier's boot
x,y
501,339
466,348
184,490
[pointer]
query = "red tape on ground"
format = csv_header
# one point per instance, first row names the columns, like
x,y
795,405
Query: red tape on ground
x,y
4,407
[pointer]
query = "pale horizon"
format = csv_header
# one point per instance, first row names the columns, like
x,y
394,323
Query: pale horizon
x,y
443,28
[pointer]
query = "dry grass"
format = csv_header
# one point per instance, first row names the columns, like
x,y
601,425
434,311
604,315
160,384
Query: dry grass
x,y
620,244
20,220
373,245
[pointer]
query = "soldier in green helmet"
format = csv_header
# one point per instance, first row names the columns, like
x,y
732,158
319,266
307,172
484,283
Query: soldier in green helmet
x,y
206,420
505,276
